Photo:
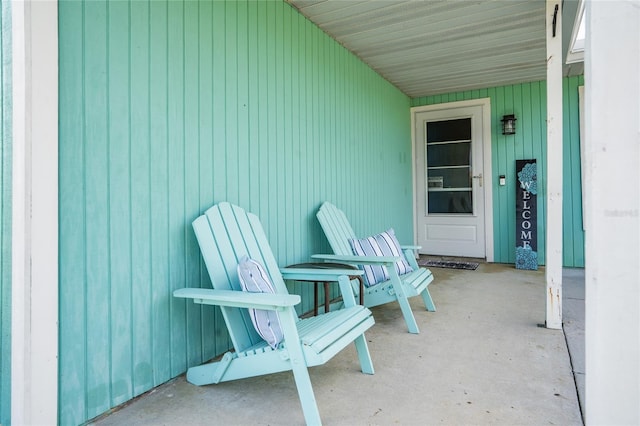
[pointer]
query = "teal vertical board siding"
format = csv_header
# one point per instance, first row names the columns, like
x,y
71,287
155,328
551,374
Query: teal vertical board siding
x,y
5,212
573,227
167,107
140,172
73,219
528,102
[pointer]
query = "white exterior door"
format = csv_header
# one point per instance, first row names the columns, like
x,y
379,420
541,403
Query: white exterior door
x,y
451,180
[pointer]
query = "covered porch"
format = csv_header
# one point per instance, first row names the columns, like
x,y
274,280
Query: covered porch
x,y
483,358
121,136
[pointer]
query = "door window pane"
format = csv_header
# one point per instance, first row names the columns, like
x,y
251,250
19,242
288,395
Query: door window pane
x,y
449,154
449,130
458,178
448,160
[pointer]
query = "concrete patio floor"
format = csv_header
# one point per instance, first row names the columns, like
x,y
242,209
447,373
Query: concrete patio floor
x,y
482,358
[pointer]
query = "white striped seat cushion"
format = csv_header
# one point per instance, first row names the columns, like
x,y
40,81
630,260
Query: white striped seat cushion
x,y
254,279
383,244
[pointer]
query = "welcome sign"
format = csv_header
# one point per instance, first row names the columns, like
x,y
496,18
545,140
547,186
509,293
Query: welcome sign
x,y
527,215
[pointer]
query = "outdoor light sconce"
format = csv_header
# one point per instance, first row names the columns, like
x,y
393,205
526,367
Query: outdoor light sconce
x,y
509,124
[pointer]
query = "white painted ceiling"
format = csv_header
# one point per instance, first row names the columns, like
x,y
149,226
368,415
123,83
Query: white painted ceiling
x,y
427,47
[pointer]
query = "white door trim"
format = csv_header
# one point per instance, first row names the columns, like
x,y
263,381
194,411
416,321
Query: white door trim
x,y
485,103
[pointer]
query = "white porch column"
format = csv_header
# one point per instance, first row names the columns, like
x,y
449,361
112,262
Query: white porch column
x,y
34,280
553,180
612,202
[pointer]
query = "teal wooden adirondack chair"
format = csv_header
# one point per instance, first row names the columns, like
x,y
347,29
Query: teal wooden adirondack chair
x,y
226,234
398,287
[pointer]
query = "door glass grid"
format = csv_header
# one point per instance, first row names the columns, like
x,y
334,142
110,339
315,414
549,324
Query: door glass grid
x,y
449,173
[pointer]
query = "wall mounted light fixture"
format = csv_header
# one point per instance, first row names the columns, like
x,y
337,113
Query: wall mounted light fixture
x,y
509,124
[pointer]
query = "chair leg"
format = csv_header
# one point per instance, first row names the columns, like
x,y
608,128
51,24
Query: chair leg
x,y
403,301
407,313
428,301
363,355
300,369
305,393
210,373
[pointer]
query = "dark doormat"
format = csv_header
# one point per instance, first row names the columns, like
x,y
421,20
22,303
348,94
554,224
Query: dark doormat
x,y
451,264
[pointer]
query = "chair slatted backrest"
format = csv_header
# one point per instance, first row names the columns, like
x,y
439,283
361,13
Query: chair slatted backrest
x,y
225,234
336,227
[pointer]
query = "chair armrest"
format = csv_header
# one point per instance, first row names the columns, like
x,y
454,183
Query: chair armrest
x,y
305,274
239,299
359,260
410,255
